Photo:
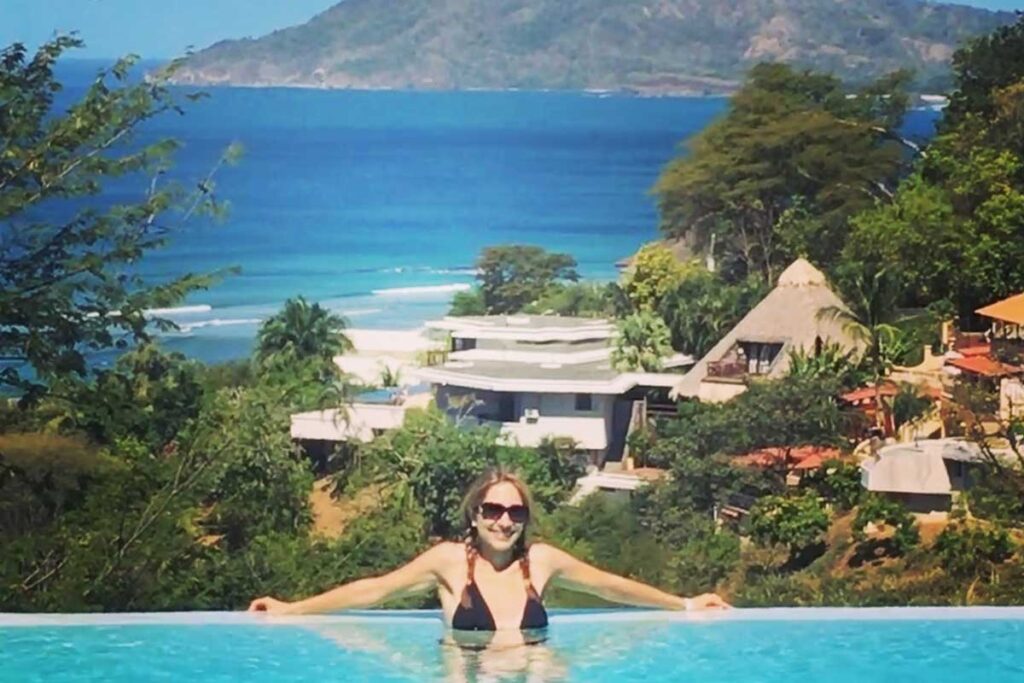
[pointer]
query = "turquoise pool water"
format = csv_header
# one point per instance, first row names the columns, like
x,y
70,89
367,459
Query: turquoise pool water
x,y
768,646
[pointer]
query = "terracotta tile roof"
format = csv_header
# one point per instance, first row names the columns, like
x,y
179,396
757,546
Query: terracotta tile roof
x,y
888,389
800,457
648,473
980,350
985,366
1010,310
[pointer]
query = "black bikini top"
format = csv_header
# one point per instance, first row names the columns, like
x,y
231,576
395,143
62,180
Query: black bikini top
x,y
473,614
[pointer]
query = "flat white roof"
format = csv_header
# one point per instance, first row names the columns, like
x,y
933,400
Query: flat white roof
x,y
532,328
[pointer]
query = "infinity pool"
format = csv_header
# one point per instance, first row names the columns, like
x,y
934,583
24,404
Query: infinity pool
x,y
767,646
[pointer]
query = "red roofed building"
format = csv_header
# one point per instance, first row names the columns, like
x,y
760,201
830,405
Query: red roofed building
x,y
796,458
1006,367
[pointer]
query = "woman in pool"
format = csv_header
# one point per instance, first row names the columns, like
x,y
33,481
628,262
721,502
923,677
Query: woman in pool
x,y
494,581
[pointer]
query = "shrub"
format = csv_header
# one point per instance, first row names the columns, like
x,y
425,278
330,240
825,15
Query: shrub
x,y
878,510
837,482
798,522
972,551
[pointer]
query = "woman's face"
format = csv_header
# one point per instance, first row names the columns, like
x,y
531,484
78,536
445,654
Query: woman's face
x,y
500,517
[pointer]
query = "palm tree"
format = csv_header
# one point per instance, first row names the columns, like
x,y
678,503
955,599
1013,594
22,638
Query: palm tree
x,y
302,330
870,319
642,341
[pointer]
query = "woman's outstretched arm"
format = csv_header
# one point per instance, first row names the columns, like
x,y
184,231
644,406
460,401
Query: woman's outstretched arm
x,y
419,575
569,572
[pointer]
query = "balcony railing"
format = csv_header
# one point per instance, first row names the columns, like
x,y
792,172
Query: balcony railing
x,y
728,369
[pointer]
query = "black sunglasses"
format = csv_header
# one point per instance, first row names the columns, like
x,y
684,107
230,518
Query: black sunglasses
x,y
493,511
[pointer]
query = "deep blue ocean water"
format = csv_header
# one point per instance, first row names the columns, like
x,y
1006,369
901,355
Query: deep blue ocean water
x,y
745,646
377,203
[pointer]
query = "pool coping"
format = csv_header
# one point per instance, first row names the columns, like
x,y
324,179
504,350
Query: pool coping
x,y
9,620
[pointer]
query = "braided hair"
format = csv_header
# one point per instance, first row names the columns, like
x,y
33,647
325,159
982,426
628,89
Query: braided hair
x,y
471,503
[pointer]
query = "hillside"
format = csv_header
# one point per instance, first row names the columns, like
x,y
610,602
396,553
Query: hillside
x,y
644,45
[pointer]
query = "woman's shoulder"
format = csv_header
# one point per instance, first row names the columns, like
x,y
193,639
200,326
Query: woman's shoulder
x,y
545,552
446,552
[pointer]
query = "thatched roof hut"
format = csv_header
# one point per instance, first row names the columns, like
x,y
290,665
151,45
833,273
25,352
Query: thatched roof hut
x,y
789,317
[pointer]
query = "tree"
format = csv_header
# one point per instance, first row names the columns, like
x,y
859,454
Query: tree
x,y
797,522
641,342
470,302
704,307
832,361
149,395
872,294
875,509
836,481
515,275
581,299
789,140
970,552
301,331
427,464
955,227
654,273
981,68
67,287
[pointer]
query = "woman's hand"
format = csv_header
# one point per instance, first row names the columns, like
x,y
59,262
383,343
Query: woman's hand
x,y
707,601
270,606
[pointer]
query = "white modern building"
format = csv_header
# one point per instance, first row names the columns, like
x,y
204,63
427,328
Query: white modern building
x,y
536,377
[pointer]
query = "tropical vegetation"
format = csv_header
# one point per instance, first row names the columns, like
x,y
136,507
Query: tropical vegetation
x,y
159,483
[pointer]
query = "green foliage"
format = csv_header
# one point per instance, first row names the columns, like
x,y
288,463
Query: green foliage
x,y
836,481
909,404
996,495
582,299
790,141
149,395
654,273
833,362
703,308
470,302
641,343
429,463
797,522
302,331
982,67
390,377
623,547
515,275
786,412
42,476
67,288
877,510
954,227
263,483
689,51
972,551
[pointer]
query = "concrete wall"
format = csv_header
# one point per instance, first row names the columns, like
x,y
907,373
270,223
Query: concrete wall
x,y
561,407
710,391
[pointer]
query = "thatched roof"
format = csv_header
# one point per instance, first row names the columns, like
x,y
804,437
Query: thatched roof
x,y
788,315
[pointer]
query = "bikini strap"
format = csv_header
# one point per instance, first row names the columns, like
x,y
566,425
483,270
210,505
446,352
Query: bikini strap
x,y
524,565
467,601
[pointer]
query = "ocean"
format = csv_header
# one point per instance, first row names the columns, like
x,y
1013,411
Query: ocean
x,y
376,204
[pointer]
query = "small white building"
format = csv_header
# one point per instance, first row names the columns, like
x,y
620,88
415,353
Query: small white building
x,y
924,475
537,377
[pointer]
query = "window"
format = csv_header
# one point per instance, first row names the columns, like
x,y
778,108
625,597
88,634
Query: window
x,y
584,403
463,343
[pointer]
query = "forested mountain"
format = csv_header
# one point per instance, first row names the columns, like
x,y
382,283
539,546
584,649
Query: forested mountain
x,y
645,45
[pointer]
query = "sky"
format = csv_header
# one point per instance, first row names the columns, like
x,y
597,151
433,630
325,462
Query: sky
x,y
157,29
